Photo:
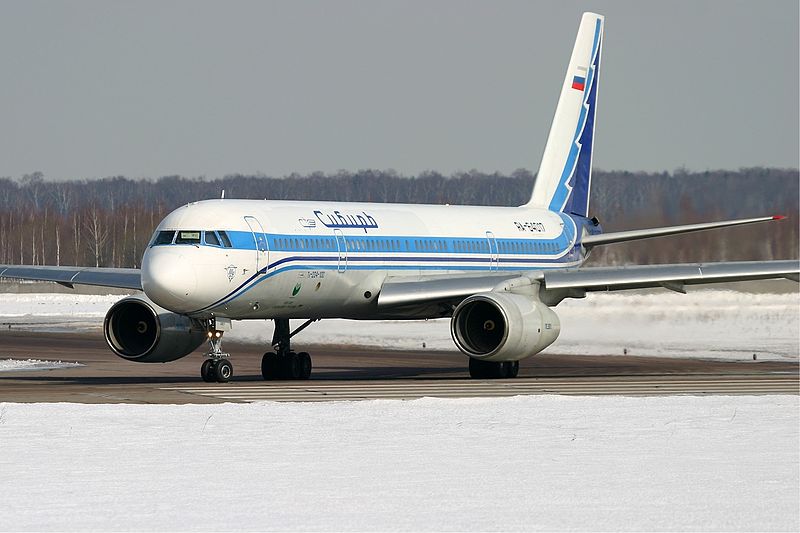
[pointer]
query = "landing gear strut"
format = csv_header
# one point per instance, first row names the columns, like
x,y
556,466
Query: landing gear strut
x,y
492,370
283,363
217,367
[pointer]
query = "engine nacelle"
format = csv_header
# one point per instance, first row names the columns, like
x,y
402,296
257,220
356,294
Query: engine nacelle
x,y
138,330
495,326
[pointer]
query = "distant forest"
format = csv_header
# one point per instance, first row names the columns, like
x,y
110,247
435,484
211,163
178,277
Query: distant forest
x,y
108,222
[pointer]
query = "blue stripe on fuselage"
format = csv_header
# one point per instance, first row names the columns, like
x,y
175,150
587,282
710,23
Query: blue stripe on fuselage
x,y
471,254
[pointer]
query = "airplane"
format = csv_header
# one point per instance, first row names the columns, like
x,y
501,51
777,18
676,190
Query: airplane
x,y
496,272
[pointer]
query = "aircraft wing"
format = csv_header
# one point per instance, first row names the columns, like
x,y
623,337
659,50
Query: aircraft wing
x,y
122,278
404,291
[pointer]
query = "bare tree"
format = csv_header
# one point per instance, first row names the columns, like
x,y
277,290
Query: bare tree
x,y
97,233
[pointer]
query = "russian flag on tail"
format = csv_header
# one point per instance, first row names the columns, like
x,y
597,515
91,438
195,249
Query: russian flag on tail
x,y
579,83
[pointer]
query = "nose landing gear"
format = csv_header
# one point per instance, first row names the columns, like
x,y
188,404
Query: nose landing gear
x,y
284,363
217,367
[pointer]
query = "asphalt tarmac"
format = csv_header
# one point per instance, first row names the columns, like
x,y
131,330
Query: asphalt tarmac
x,y
348,373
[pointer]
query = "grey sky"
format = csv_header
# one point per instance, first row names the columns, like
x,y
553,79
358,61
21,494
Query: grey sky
x,y
145,89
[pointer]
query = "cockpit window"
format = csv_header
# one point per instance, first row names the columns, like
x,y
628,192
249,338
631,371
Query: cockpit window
x,y
163,237
211,238
188,237
226,242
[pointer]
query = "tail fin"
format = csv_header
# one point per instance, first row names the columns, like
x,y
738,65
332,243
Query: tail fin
x,y
565,174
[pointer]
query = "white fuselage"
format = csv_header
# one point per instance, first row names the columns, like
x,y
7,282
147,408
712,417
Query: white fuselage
x,y
287,259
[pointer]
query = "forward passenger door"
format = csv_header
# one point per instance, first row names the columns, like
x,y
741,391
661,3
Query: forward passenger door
x,y
260,240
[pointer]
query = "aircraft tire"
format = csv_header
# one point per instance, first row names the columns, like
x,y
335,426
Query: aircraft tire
x,y
208,372
492,370
223,370
510,369
270,366
291,366
305,365
479,369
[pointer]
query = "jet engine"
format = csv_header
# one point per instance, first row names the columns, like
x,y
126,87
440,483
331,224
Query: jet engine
x,y
495,326
138,330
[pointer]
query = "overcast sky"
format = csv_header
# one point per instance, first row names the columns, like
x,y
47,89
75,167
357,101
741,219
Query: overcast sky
x,y
198,88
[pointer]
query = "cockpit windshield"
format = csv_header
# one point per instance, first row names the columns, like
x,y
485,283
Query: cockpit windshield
x,y
211,238
188,237
163,237
196,237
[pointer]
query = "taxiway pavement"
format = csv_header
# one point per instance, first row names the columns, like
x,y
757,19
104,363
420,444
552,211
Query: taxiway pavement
x,y
352,373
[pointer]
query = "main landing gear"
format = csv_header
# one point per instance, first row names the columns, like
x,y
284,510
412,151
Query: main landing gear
x,y
492,370
217,367
283,363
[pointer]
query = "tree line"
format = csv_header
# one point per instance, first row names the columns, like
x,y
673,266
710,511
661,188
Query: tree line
x,y
109,222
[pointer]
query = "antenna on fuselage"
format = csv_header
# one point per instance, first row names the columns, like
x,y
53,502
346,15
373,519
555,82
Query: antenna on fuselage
x,y
222,197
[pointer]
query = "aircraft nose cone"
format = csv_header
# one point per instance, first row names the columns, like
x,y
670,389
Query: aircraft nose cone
x,y
169,279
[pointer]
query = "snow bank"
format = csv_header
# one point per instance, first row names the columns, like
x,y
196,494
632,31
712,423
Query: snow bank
x,y
10,365
56,305
524,463
708,323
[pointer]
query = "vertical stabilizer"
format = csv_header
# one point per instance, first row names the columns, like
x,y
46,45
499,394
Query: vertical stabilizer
x,y
565,174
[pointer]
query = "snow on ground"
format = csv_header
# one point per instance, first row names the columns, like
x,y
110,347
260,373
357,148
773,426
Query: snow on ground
x,y
54,311
10,365
708,323
525,463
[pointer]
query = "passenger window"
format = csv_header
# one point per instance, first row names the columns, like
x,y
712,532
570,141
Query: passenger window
x,y
188,237
163,237
211,238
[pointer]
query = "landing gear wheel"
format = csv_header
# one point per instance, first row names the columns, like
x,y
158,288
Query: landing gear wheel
x,y
286,364
208,372
291,366
224,371
510,369
270,367
491,370
305,365
479,369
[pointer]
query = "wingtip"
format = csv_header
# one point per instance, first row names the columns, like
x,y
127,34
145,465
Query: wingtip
x,y
778,217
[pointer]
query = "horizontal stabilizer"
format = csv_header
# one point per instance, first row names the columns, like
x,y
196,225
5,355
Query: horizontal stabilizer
x,y
635,235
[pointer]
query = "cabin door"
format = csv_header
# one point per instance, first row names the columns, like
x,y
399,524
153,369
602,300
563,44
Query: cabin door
x,y
260,240
341,245
494,255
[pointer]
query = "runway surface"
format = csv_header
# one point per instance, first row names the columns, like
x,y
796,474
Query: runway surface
x,y
353,373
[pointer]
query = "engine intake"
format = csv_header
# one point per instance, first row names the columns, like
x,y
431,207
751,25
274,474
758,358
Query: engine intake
x,y
496,326
138,330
